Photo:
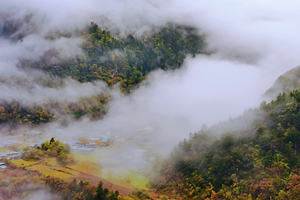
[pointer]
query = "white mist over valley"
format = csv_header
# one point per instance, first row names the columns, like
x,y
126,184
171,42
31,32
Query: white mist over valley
x,y
246,47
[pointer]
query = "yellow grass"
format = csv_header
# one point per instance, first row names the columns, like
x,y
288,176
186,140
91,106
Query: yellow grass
x,y
51,162
125,178
116,175
86,167
138,181
24,163
48,171
128,198
47,167
83,157
74,172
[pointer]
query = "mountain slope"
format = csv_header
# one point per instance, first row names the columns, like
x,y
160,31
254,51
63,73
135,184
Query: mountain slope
x,y
261,161
287,82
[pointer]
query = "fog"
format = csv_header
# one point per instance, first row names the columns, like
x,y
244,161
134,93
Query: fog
x,y
44,194
71,91
249,44
177,103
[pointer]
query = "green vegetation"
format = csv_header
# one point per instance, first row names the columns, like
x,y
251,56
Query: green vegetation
x,y
81,190
264,163
20,183
260,162
138,181
287,83
106,57
127,60
53,148
140,195
14,113
46,167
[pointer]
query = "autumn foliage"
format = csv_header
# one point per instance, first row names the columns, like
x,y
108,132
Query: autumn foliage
x,y
260,162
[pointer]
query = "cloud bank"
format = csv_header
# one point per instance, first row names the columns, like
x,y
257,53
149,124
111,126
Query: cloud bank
x,y
251,44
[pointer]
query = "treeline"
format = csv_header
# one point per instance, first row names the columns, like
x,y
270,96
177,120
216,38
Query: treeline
x,y
19,183
15,113
127,60
108,58
260,163
81,190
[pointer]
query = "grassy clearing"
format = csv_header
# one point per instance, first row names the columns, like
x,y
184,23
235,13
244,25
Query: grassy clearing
x,y
48,167
51,172
86,167
125,178
51,162
67,170
24,163
48,171
83,157
138,181
116,175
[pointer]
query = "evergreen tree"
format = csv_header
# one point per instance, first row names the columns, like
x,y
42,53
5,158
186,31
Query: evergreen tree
x,y
52,140
101,193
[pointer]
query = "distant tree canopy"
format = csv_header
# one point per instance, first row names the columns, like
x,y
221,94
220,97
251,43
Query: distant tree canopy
x,y
260,163
127,60
51,148
106,57
15,113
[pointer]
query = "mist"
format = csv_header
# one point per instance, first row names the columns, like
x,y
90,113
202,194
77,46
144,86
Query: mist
x,y
248,45
252,45
70,92
42,194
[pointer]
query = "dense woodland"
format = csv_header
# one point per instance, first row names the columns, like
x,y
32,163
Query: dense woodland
x,y
127,60
14,113
107,57
259,163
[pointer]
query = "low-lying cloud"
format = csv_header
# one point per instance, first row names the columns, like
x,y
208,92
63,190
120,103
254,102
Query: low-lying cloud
x,y
176,103
251,44
70,92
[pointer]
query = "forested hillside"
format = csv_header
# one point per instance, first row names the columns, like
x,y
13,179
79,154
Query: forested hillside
x,y
287,82
149,99
260,162
128,59
106,57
